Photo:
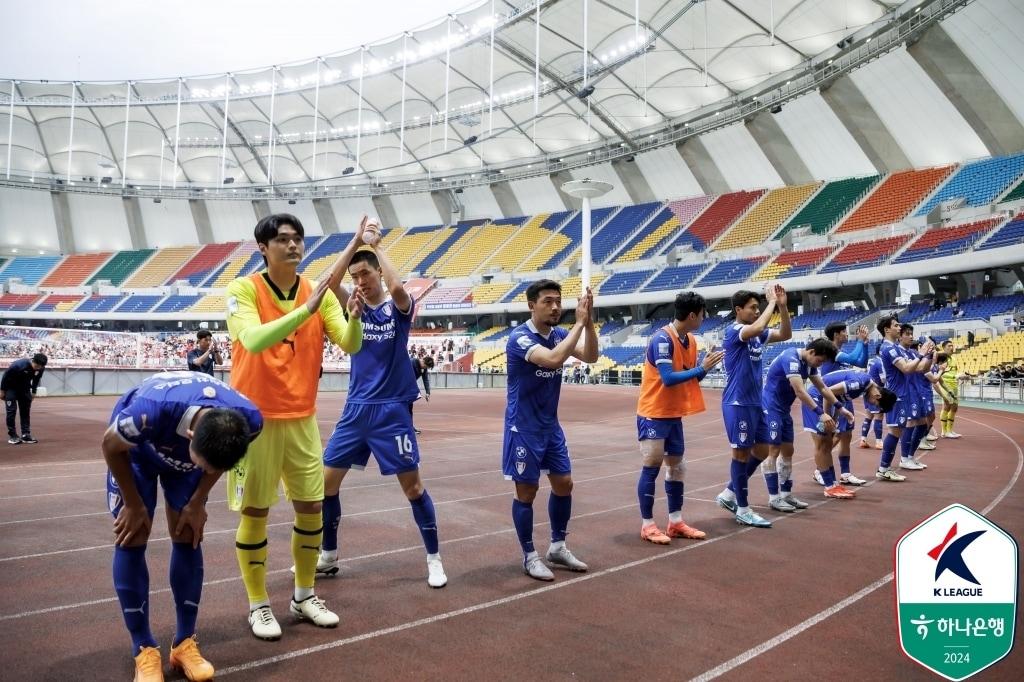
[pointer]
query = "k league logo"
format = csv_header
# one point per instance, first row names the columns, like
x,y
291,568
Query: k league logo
x,y
956,592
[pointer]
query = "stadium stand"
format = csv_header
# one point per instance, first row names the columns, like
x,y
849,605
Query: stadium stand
x,y
323,254
978,183
470,254
717,218
1016,194
161,266
895,197
203,264
675,277
982,357
246,259
410,244
830,204
518,246
730,271
18,301
657,231
138,303
554,244
625,356
175,304
490,292
619,228
99,304
946,241
1010,234
819,319
211,303
121,266
59,303
573,230
764,219
29,269
915,311
438,248
978,308
794,263
625,282
865,254
447,295
75,269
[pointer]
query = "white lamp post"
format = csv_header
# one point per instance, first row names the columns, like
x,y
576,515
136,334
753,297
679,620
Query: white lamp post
x,y
586,190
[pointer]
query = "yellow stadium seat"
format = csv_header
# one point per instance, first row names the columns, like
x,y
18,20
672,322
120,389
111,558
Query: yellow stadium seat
x,y
162,265
766,217
491,292
514,251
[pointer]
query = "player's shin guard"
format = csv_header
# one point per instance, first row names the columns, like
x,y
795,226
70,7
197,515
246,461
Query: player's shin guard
x,y
865,427
251,551
426,520
645,491
522,519
771,481
332,519
131,582
559,511
307,533
186,577
784,467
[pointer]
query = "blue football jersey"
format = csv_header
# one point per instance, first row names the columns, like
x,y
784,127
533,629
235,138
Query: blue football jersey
x,y
155,415
743,367
858,357
875,370
778,393
856,380
919,379
533,390
895,380
381,372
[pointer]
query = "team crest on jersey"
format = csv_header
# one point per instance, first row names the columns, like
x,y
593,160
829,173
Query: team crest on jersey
x,y
743,436
387,309
663,349
794,367
209,392
127,427
524,342
113,499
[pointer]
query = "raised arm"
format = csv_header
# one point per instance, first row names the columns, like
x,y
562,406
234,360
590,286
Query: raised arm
x,y
244,321
588,350
393,282
785,330
749,331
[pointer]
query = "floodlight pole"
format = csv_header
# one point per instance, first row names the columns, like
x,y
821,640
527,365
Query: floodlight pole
x,y
316,113
224,130
586,190
10,132
127,118
177,138
71,131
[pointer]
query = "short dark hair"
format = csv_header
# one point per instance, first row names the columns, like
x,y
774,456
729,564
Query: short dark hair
x,y
689,302
221,437
203,334
266,228
834,329
822,347
365,256
884,322
40,359
742,297
887,399
941,357
906,327
949,341
428,362
533,291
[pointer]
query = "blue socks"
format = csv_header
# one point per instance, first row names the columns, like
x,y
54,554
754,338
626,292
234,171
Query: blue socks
x,y
888,450
738,480
829,477
907,442
771,481
423,512
645,491
186,578
332,519
674,493
844,464
131,582
878,429
559,511
919,435
522,519
865,427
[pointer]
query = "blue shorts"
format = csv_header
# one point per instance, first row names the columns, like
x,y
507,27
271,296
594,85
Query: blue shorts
x,y
741,425
927,405
811,419
384,430
776,428
179,486
525,456
898,415
670,430
871,409
843,425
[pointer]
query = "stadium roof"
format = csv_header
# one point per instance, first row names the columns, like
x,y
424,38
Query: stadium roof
x,y
451,97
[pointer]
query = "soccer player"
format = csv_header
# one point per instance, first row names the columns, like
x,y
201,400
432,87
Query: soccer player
x,y
741,399
846,385
277,320
205,355
783,384
904,419
669,391
951,376
377,417
873,418
534,442
858,358
17,388
922,383
183,429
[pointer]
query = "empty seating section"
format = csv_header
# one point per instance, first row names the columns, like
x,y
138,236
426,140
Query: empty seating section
x,y
138,304
616,230
732,271
121,266
647,241
625,356
865,254
895,197
829,205
203,263
18,301
411,243
516,292
675,277
460,248
75,269
946,241
571,287
549,250
390,236
522,243
717,218
980,308
236,267
764,219
625,282
485,355
29,269
794,263
161,266
470,254
982,357
487,333
99,304
978,183
713,323
1015,194
436,248
610,327
915,311
574,231
490,292
59,303
324,255
819,319
450,295
211,303
174,304
1010,234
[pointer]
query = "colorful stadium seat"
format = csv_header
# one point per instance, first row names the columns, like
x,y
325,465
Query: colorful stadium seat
x,y
946,241
978,183
794,263
764,219
895,197
829,205
75,269
717,218
865,254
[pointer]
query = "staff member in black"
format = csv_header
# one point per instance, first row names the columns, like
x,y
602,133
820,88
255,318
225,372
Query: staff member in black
x,y
203,357
420,367
17,387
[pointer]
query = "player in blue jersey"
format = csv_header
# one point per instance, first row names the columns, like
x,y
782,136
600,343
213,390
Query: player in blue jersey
x,y
783,384
845,385
741,400
873,418
904,419
377,418
534,443
183,430
857,358
924,382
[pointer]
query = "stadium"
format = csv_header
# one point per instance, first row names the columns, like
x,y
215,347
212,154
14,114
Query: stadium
x,y
866,155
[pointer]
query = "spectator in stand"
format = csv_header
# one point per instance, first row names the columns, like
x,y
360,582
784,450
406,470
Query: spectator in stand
x,y
17,388
204,356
